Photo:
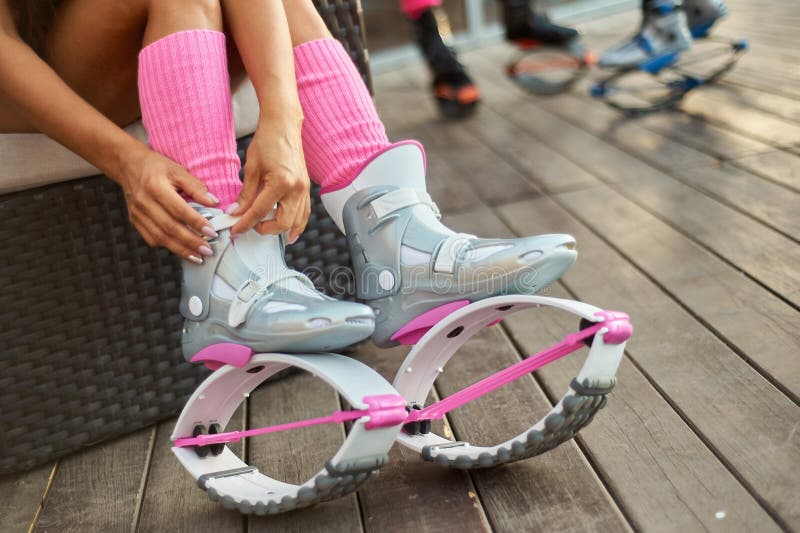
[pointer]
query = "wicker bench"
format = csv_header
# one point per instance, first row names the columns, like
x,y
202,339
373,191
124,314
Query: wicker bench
x,y
90,336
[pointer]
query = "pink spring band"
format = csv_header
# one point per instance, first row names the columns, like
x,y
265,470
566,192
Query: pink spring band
x,y
390,410
383,411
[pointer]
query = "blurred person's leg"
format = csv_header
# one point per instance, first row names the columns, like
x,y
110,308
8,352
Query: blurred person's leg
x,y
524,26
452,86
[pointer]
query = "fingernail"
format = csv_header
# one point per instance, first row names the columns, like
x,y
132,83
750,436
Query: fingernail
x,y
294,240
194,259
235,236
232,208
212,197
205,250
208,231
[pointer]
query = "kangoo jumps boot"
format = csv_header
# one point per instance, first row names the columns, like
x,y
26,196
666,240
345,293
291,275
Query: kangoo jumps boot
x,y
663,34
245,299
410,268
524,26
702,14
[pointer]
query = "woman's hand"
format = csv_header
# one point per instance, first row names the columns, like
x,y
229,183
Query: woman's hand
x,y
152,185
275,173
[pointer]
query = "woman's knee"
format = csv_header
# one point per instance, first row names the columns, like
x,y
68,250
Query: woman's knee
x,y
305,24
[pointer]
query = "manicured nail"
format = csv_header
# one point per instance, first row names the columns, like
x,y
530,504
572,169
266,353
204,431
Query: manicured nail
x,y
294,240
212,197
194,259
232,208
235,236
205,250
208,231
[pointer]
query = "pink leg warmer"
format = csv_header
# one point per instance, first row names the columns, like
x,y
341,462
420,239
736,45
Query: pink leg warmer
x,y
341,128
185,96
414,8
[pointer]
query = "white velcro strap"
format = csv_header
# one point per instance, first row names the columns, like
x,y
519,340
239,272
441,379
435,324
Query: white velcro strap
x,y
399,199
449,251
221,222
251,291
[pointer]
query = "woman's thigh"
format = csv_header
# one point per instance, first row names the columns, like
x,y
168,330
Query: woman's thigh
x,y
93,46
305,24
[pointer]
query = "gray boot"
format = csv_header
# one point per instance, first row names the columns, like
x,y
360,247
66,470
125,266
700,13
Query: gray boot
x,y
410,268
246,295
664,33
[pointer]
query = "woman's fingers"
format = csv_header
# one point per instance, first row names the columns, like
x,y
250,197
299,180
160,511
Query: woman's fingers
x,y
154,235
194,188
174,235
260,207
250,190
300,221
181,212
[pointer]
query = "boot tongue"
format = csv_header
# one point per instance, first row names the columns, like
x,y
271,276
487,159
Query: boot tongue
x,y
424,230
263,256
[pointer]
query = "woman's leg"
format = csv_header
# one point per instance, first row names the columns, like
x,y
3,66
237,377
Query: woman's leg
x,y
341,128
411,268
244,294
184,92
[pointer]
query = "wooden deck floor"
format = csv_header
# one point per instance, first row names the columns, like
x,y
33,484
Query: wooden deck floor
x,y
688,220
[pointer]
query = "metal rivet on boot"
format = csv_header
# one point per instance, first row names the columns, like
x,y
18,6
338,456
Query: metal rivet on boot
x,y
195,306
386,280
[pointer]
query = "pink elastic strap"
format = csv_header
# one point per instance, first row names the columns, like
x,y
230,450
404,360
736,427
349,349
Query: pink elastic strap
x,y
384,411
185,97
390,410
415,8
571,342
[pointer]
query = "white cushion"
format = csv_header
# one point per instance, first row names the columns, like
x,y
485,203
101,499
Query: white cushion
x,y
28,160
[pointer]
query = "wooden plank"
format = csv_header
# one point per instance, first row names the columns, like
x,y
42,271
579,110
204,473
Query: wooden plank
x,y
610,125
659,470
535,494
410,494
742,417
771,204
543,483
709,138
98,489
295,456
734,86
471,161
23,496
750,122
732,235
681,127
551,170
780,167
173,502
762,327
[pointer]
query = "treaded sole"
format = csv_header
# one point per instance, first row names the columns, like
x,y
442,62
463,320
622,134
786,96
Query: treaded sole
x,y
578,409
